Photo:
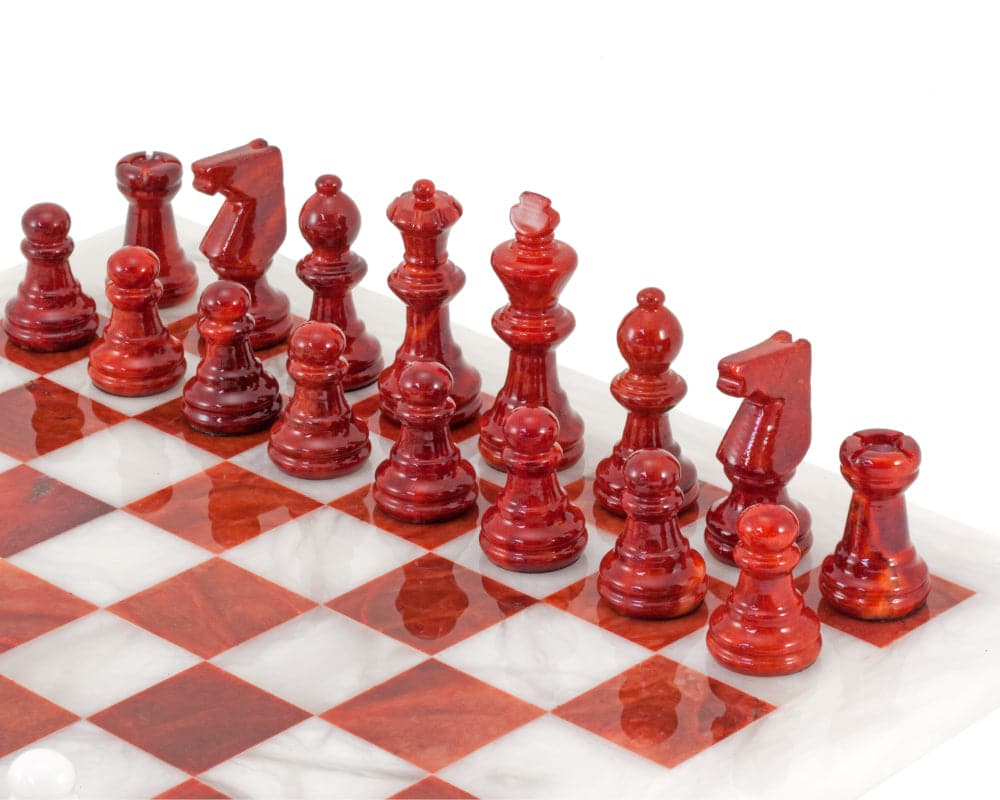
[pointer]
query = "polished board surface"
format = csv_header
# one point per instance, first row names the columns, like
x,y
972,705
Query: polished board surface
x,y
182,619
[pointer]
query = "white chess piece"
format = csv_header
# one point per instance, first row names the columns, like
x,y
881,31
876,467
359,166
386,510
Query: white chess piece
x,y
41,774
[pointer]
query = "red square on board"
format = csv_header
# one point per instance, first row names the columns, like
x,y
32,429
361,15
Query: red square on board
x,y
199,718
211,607
25,717
37,507
222,506
191,790
582,600
368,410
431,603
31,606
360,505
432,788
432,715
944,595
41,416
663,710
167,418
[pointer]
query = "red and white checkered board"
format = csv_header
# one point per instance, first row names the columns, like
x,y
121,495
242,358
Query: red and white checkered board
x,y
182,619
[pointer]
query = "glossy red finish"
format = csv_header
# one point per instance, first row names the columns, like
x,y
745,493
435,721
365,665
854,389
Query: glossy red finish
x,y
135,355
330,222
768,437
663,710
317,435
199,718
466,713
27,717
652,572
534,267
425,478
432,788
149,182
230,604
231,393
649,339
431,603
426,281
50,312
248,230
532,527
765,628
875,572
221,507
38,507
169,418
32,606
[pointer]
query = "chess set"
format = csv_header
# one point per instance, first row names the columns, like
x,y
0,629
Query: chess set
x,y
249,552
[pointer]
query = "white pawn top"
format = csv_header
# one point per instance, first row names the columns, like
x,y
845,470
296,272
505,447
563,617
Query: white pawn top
x,y
41,774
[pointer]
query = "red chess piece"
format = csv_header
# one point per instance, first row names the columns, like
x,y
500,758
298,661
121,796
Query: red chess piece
x,y
768,438
248,230
330,222
649,339
149,181
317,435
136,355
50,311
764,627
875,572
652,572
231,393
426,281
425,478
532,527
534,268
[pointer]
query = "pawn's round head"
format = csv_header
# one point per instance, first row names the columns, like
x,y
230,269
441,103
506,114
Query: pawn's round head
x,y
652,473
318,343
425,383
768,527
45,223
531,430
225,301
330,218
41,772
133,267
650,336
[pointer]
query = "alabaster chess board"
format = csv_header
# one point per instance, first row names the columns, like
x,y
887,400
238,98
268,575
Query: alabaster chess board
x,y
182,619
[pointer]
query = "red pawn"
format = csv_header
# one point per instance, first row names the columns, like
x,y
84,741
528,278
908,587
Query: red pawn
x,y
534,267
136,355
317,435
330,222
231,393
532,527
652,572
425,478
149,181
243,238
426,282
649,339
875,572
50,311
764,627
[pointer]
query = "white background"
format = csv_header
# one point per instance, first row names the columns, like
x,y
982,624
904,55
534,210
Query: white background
x,y
831,169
